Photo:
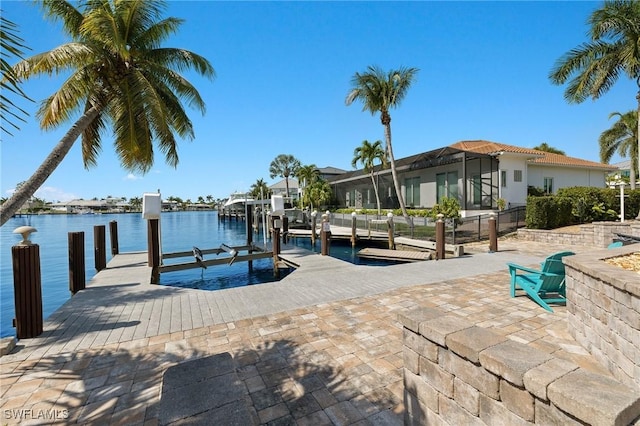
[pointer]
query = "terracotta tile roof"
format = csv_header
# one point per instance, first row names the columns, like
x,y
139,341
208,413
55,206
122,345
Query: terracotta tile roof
x,y
538,157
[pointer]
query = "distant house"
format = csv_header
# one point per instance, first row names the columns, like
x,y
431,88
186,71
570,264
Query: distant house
x,y
108,205
476,173
280,188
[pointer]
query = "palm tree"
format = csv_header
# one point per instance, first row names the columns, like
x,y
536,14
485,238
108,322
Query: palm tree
x,y
318,192
284,165
595,66
12,46
260,190
379,91
367,154
548,148
120,78
621,137
307,175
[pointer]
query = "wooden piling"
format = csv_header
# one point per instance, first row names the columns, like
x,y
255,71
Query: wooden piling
x,y
493,235
391,240
27,289
249,231
113,233
77,274
439,238
153,249
285,229
325,236
354,234
99,247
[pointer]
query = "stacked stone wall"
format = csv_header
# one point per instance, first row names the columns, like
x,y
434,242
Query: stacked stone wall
x,y
457,373
603,304
597,234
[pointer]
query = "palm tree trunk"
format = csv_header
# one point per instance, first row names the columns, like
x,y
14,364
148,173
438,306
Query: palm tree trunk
x,y
375,189
396,182
53,160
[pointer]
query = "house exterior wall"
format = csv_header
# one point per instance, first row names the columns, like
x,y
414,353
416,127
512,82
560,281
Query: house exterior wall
x,y
514,193
565,177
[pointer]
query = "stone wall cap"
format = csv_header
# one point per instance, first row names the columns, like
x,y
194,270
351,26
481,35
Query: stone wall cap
x,y
412,318
511,360
595,398
539,378
468,343
592,263
439,328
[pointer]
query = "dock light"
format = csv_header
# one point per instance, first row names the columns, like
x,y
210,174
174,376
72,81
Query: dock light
x,y
440,216
389,215
314,213
25,231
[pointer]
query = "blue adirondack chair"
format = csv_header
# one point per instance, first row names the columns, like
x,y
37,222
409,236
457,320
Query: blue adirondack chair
x,y
544,285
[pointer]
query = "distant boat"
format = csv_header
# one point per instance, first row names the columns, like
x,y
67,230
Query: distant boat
x,y
237,201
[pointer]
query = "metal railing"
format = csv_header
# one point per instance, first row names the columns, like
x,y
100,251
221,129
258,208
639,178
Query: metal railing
x,y
468,229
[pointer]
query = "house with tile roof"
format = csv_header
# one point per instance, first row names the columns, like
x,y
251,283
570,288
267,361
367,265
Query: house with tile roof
x,y
477,173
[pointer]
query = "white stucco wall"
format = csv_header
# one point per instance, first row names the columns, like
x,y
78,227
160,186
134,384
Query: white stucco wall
x,y
564,177
514,193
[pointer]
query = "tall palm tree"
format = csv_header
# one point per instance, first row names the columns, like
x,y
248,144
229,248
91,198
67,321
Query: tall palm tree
x,y
12,46
621,137
595,66
120,78
260,190
367,154
379,91
307,175
284,165
548,148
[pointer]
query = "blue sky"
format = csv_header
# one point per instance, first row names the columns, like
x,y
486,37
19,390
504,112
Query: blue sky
x,y
284,70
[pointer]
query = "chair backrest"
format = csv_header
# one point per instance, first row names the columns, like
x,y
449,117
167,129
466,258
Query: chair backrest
x,y
553,264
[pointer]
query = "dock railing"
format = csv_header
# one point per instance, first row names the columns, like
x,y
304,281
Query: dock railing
x,y
468,229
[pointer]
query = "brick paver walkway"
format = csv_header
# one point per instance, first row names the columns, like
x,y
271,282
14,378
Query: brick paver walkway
x,y
334,363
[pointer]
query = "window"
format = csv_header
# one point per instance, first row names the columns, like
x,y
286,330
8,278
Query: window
x,y
476,182
548,185
446,185
517,175
503,178
412,191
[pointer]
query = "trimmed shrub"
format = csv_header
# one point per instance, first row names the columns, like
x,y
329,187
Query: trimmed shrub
x,y
548,212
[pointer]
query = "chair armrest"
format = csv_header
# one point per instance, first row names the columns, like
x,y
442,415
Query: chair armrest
x,y
514,267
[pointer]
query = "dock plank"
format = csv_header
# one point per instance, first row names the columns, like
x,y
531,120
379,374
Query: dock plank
x,y
399,255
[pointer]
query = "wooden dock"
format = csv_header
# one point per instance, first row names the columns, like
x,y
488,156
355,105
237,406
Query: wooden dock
x,y
398,255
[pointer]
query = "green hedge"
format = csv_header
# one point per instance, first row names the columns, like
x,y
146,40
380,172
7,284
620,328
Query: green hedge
x,y
548,212
578,205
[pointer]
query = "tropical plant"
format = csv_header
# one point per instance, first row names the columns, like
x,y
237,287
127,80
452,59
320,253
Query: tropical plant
x,y
595,66
307,175
284,165
121,78
449,208
11,46
379,91
548,148
260,190
318,193
621,137
367,154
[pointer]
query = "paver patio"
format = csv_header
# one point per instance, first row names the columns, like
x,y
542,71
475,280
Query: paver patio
x,y
336,362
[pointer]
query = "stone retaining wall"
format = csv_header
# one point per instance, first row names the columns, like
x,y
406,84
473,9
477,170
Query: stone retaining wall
x,y
603,304
596,234
457,373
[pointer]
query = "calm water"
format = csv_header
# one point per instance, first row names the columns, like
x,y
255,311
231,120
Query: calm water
x,y
179,232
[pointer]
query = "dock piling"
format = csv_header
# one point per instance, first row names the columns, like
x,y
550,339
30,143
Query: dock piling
x,y
493,234
99,247
440,237
27,286
113,233
77,277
